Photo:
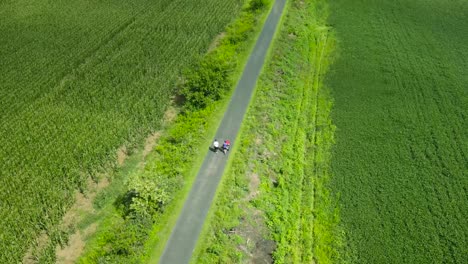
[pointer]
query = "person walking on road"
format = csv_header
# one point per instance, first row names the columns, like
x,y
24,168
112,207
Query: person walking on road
x,y
226,146
215,145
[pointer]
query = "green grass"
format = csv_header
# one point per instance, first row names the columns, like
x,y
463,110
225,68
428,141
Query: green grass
x,y
78,80
285,141
400,160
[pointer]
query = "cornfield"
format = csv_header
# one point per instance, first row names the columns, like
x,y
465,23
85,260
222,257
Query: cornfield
x,y
79,79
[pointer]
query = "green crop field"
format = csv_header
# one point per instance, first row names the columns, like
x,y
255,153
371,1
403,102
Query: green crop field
x,y
79,79
400,166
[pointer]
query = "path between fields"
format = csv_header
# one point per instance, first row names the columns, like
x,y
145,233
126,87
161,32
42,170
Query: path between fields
x,y
184,236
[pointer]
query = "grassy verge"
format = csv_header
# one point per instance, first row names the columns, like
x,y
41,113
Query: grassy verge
x,y
143,215
273,204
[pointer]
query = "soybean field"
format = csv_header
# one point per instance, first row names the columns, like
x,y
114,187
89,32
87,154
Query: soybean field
x,y
400,167
79,79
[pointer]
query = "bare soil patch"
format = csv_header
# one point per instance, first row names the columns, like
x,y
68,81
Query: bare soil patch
x,y
292,35
216,41
258,141
253,228
84,206
170,114
71,253
253,186
39,245
121,155
84,203
151,142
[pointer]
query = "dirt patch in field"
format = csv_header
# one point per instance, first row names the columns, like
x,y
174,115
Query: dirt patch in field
x,y
151,142
253,229
258,141
84,202
121,155
169,115
40,243
253,186
292,35
216,41
83,205
71,253
103,183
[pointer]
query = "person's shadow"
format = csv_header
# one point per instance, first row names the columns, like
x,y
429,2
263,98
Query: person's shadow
x,y
213,149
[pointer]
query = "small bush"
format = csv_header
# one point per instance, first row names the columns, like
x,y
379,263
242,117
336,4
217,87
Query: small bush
x,y
207,82
240,30
149,195
258,4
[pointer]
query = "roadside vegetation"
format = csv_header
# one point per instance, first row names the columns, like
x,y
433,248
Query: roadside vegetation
x,y
142,216
78,81
400,160
273,204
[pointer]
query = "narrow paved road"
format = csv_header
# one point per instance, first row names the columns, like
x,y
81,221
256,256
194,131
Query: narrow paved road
x,y
185,234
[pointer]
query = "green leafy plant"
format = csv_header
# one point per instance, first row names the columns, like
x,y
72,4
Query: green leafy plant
x,y
207,81
149,195
258,4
